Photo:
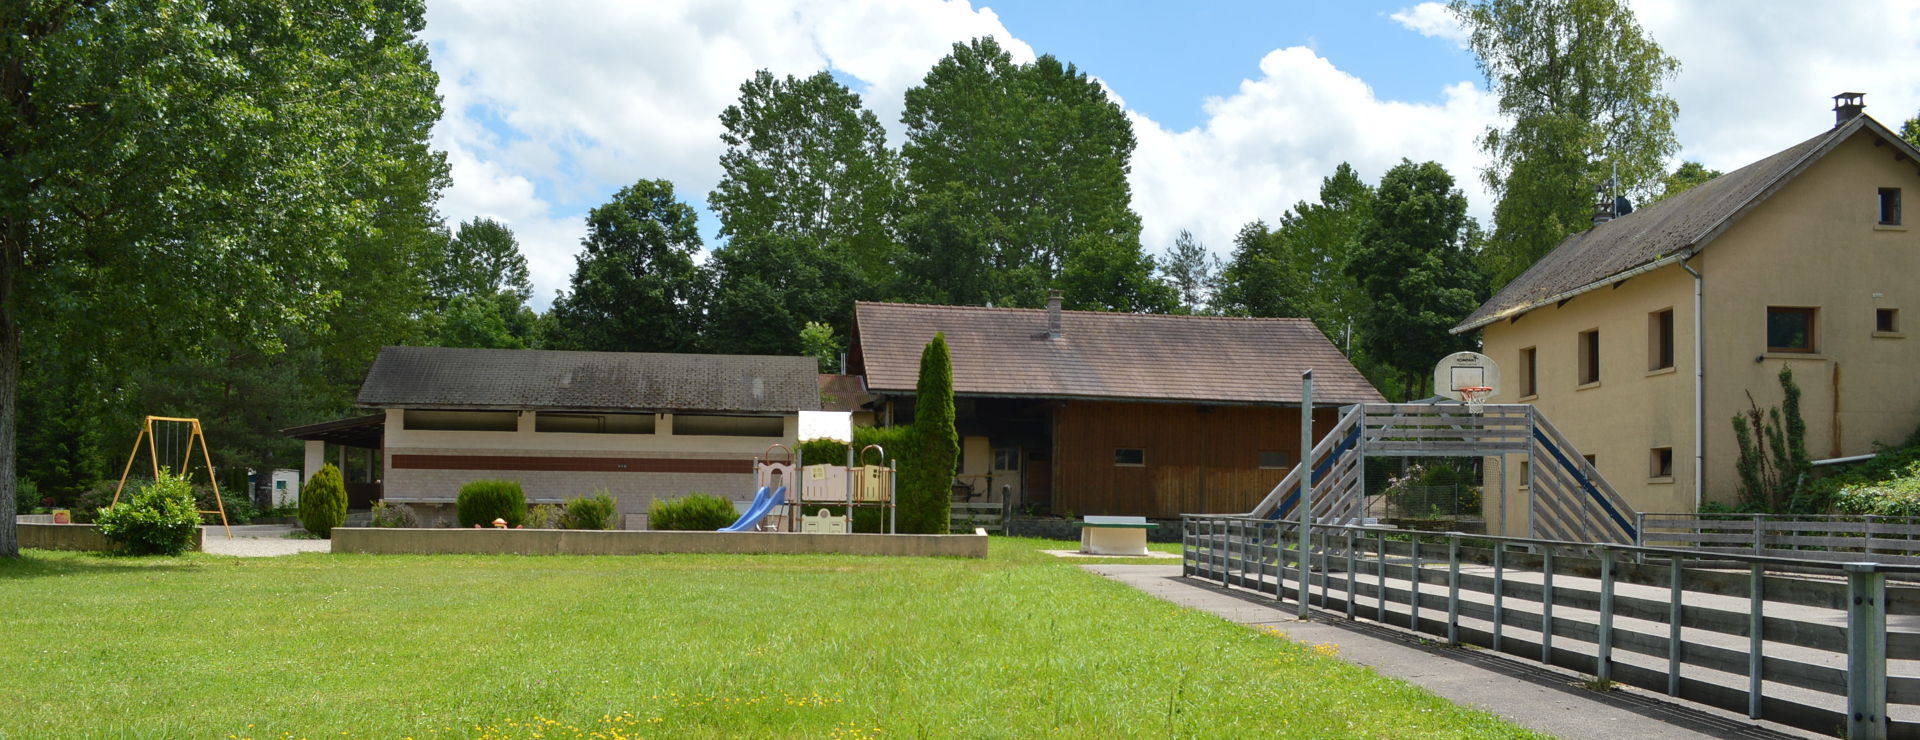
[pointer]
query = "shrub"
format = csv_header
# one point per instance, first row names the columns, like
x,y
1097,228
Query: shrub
x,y
159,519
483,501
323,502
1898,496
239,509
100,495
26,496
926,490
543,516
394,515
596,512
696,512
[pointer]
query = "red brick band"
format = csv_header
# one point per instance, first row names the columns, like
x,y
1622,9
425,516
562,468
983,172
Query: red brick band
x,y
572,464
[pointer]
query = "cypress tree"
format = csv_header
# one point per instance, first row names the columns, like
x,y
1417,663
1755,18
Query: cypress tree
x,y
925,505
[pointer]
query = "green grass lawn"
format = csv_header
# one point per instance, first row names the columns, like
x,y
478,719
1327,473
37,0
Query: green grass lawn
x,y
317,645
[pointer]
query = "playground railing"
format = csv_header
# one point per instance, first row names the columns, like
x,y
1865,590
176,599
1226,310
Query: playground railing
x,y
1802,642
1842,538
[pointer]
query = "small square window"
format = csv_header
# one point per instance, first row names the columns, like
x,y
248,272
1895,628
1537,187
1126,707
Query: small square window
x,y
1130,456
1660,340
1591,461
1589,354
1273,459
1789,329
1660,463
1890,206
1523,475
1529,377
1886,320
1006,458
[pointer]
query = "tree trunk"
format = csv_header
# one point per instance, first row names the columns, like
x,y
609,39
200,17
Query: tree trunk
x,y
9,388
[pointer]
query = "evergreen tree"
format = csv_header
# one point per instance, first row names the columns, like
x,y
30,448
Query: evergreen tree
x,y
1191,270
925,501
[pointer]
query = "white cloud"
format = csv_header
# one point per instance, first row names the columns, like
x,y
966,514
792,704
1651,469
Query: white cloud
x,y
1268,146
1432,20
1756,78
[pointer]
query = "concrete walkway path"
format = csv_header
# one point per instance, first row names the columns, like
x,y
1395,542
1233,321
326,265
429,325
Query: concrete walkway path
x,y
1541,698
259,541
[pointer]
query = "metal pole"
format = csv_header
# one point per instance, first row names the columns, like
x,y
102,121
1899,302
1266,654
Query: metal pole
x,y
1306,483
1353,576
1866,651
1453,589
1413,619
1499,588
1546,605
1757,547
1380,539
1673,628
1756,661
1186,546
1603,661
1504,532
1533,494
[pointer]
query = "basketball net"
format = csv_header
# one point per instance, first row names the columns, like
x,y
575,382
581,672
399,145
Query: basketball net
x,y
1475,397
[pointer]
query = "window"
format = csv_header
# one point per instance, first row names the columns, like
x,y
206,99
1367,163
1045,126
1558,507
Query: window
x,y
1660,340
1589,354
1890,206
1660,463
1886,320
1006,458
728,426
461,421
1523,475
545,421
1130,457
1789,329
1273,459
1592,462
1529,378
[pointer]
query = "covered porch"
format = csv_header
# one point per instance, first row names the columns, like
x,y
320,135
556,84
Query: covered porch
x,y
363,470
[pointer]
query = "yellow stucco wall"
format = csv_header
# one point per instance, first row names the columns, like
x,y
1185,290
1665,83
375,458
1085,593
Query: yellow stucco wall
x,y
1813,243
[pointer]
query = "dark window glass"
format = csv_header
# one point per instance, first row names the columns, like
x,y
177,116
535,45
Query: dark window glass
x,y
1273,459
1129,456
1890,206
1789,329
1886,319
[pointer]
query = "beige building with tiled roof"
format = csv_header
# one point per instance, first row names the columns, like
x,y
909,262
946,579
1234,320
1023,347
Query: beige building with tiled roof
x,y
1802,259
1085,412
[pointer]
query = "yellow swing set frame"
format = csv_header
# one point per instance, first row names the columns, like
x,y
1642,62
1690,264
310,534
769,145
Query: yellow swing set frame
x,y
186,457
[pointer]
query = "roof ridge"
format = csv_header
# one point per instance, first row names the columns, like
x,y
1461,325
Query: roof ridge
x,y
954,307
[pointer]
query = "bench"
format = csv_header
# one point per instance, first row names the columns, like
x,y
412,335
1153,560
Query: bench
x,y
1114,535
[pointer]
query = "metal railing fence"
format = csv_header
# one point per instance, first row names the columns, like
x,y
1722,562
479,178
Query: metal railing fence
x,y
1763,637
1841,538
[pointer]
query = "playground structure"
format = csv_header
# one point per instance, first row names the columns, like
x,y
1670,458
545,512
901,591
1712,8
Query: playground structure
x,y
1567,499
181,440
850,487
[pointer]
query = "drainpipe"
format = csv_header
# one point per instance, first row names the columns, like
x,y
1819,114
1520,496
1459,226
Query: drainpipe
x,y
1699,387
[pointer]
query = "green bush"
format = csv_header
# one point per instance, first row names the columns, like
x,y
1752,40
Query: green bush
x,y
239,509
394,516
323,502
595,512
159,519
1896,496
926,489
696,512
544,516
26,496
483,501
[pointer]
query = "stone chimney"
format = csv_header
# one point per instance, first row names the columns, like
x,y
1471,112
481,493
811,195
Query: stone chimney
x,y
1053,314
1848,106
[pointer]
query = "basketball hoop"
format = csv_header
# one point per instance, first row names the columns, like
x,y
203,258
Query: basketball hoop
x,y
1474,396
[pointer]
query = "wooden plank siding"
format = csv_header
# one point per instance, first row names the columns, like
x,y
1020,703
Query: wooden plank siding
x,y
1199,459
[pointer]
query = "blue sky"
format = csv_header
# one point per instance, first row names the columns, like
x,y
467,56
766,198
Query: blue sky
x,y
1239,107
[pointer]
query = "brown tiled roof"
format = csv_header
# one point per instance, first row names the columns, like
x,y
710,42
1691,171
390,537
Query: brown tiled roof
x,y
1006,352
445,377
843,392
1664,231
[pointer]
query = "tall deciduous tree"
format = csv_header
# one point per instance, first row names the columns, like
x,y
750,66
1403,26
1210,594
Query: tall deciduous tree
x,y
806,199
1030,158
1911,131
1318,240
635,287
1581,84
1258,280
482,257
1412,259
182,170
1684,178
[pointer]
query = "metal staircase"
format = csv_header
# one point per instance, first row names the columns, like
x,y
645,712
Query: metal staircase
x,y
1568,500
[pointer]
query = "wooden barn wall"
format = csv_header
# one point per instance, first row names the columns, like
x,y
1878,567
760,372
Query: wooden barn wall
x,y
1198,459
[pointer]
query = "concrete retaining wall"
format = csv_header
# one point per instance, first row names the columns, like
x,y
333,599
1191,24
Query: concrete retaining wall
x,y
617,542
79,537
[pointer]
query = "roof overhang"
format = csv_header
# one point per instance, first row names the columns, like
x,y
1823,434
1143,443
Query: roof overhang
x,y
1278,403
360,431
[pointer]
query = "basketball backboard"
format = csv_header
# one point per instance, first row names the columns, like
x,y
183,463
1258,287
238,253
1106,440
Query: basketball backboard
x,y
1465,370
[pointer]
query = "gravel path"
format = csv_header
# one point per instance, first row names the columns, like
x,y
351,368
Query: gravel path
x,y
260,541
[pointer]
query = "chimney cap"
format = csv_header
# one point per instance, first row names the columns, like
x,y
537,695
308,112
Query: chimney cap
x,y
1848,106
1054,294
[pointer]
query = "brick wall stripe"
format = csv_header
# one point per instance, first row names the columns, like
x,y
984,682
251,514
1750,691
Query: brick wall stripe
x,y
571,464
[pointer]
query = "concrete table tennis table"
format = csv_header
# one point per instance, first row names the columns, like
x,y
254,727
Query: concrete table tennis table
x,y
1114,535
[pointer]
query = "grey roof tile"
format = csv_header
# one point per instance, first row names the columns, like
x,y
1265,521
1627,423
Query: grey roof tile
x,y
444,377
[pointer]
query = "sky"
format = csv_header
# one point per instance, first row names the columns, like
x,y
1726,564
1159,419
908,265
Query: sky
x,y
1239,108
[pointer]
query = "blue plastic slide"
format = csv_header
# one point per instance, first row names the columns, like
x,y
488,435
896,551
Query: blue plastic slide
x,y
763,504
